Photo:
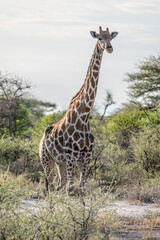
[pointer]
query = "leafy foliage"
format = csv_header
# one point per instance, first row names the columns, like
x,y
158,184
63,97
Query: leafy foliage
x,y
20,156
146,150
12,90
56,217
145,84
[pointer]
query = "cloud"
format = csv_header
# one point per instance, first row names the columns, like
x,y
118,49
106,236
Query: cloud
x,y
140,6
69,18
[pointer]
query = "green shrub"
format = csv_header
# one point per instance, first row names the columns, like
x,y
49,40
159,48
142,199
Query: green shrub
x,y
143,191
21,156
146,150
40,125
56,217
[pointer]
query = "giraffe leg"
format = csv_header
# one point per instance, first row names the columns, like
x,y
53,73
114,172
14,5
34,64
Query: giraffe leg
x,y
70,172
50,174
62,171
48,166
84,170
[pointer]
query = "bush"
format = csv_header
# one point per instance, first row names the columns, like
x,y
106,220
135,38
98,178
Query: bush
x,y
21,156
56,217
146,150
144,191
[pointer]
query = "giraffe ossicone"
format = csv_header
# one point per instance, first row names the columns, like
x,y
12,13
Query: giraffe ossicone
x,y
71,139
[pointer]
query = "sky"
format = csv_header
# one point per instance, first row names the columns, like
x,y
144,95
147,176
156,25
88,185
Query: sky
x,y
48,43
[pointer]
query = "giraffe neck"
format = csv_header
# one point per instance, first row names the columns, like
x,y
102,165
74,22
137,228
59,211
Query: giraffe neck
x,y
82,103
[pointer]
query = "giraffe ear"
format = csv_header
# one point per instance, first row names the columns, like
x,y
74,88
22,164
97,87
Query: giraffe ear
x,y
93,34
113,35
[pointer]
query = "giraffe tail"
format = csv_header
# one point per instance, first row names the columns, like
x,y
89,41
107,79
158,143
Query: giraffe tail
x,y
46,184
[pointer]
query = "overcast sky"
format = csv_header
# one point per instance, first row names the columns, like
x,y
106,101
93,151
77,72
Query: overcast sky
x,y
48,43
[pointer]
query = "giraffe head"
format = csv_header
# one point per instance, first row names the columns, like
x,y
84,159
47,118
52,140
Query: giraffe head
x,y
104,38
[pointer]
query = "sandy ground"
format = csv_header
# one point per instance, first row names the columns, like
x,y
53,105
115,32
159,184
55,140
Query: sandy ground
x,y
123,208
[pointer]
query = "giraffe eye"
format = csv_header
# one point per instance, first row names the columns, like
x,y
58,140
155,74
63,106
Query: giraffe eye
x,y
100,39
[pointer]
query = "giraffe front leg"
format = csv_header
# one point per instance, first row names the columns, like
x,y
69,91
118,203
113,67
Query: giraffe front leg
x,y
84,170
62,172
70,173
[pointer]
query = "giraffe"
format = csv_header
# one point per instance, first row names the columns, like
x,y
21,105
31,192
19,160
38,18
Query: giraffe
x,y
71,140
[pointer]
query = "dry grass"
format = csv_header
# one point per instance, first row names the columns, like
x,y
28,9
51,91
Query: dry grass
x,y
144,228
143,192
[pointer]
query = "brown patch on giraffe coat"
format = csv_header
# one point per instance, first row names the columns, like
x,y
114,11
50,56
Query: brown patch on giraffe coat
x,y
82,135
93,84
74,116
75,147
79,125
56,133
80,110
86,109
81,144
86,128
71,130
95,74
96,68
87,139
48,142
90,91
76,154
58,147
76,136
91,138
69,116
90,104
56,143
48,130
53,151
63,127
69,143
99,58
60,133
83,109
66,135
98,50
97,62
69,151
92,96
84,117
60,139
87,97
70,164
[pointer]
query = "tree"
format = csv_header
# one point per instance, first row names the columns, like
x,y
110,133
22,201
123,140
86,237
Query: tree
x,y
144,85
38,108
108,102
13,90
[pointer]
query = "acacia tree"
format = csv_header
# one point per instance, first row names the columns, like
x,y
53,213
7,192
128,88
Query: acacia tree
x,y
13,90
108,101
39,108
144,85
17,110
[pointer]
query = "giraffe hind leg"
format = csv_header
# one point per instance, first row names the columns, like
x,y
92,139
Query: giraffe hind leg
x,y
46,181
48,166
62,172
